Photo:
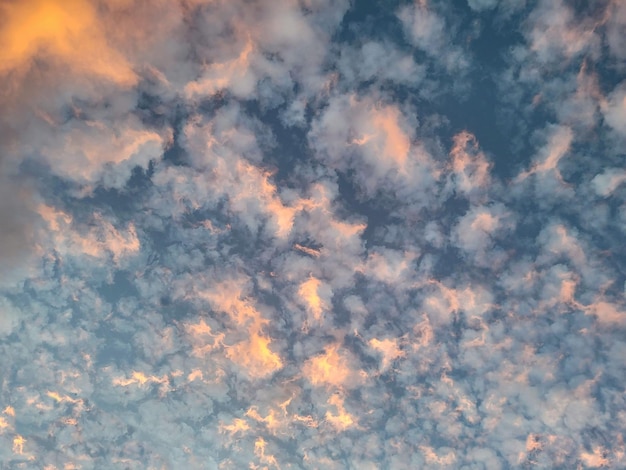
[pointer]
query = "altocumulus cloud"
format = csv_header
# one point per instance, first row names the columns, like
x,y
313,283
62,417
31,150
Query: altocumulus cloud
x,y
312,234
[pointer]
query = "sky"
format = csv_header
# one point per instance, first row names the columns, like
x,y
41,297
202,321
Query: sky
x,y
312,234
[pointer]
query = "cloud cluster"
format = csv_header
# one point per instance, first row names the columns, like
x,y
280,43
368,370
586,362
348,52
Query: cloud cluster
x,y
277,235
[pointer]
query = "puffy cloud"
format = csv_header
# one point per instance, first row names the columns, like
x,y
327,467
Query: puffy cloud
x,y
470,167
376,141
378,61
615,112
606,183
426,29
477,231
554,34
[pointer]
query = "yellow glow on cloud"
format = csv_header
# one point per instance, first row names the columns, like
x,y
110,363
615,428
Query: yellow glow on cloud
x,y
66,31
139,378
253,353
389,349
202,337
341,420
229,297
396,143
255,356
255,186
309,294
380,129
195,374
99,241
18,444
62,399
329,368
259,450
238,426
3,424
306,420
309,251
595,459
272,421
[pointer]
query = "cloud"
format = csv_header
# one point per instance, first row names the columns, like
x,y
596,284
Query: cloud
x,y
470,167
558,145
379,61
607,182
100,241
615,112
65,34
425,29
377,141
554,34
477,230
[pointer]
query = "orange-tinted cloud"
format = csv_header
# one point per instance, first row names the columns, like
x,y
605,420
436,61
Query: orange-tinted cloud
x,y
202,337
331,368
469,165
557,147
255,355
389,349
238,426
340,419
66,33
382,131
309,293
98,242
141,379
595,459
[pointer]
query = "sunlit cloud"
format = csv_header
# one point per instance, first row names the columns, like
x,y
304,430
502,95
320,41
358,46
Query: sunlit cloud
x,y
66,34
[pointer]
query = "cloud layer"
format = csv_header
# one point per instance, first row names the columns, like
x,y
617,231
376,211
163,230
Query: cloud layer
x,y
312,234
